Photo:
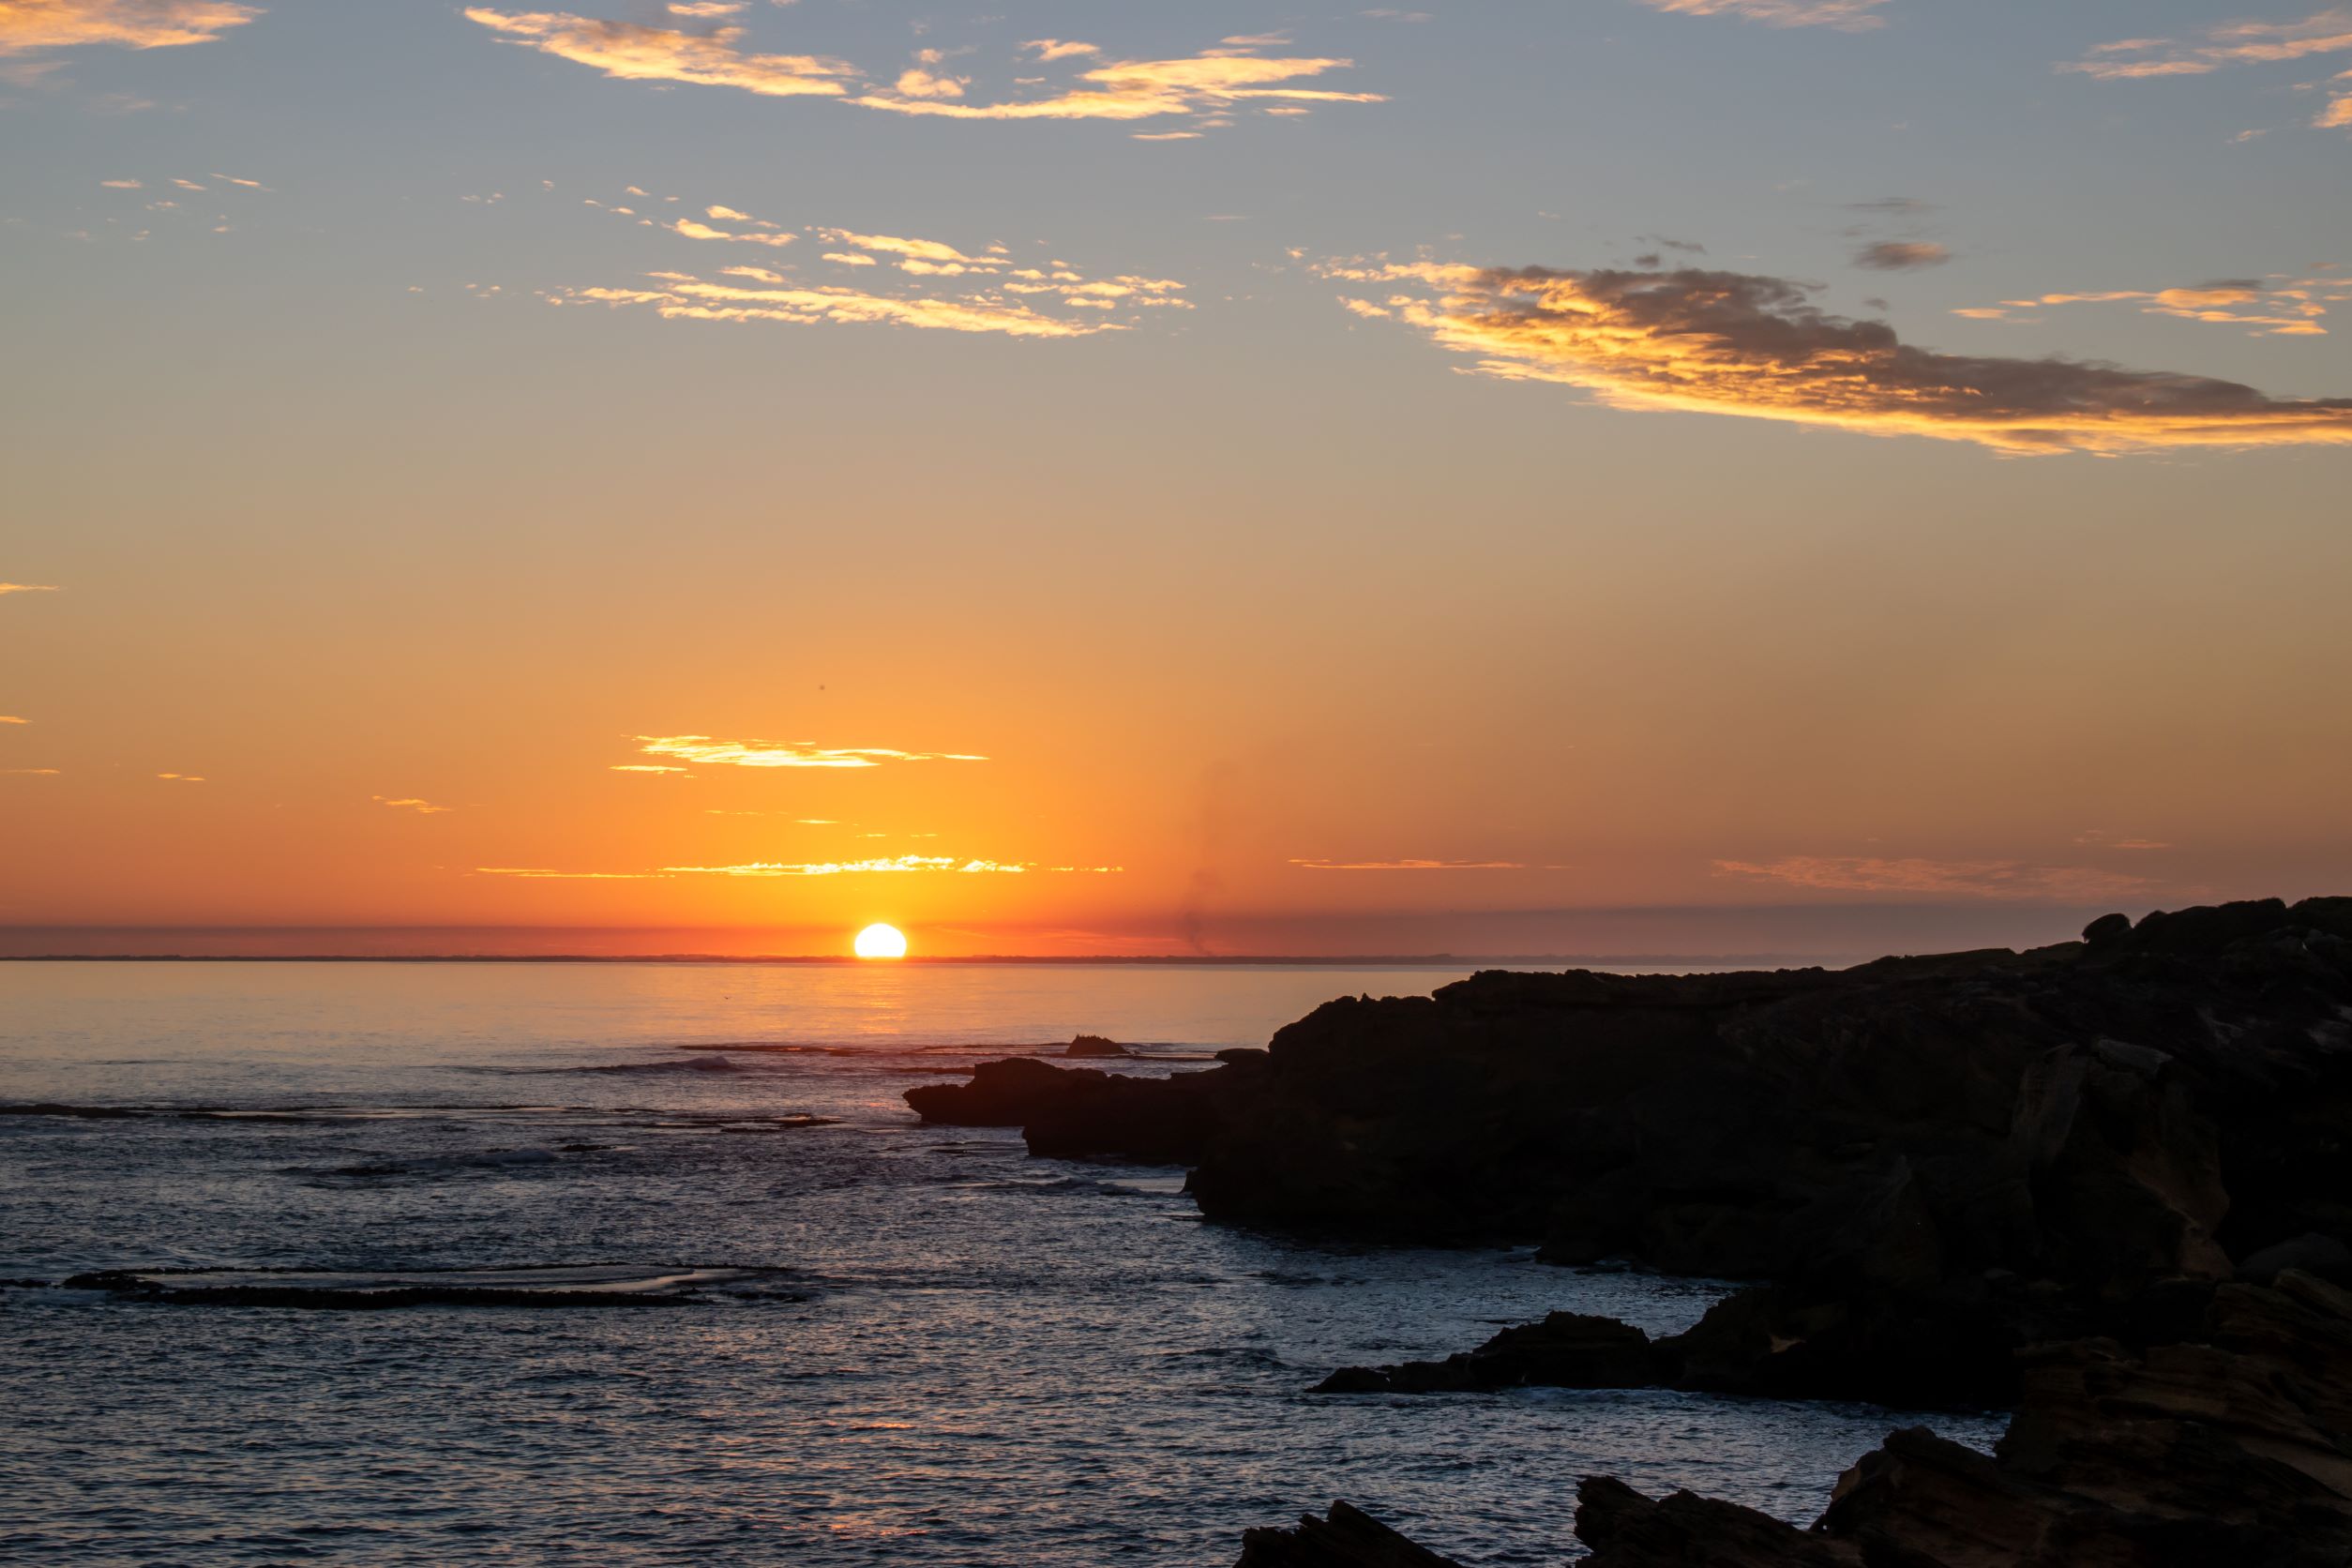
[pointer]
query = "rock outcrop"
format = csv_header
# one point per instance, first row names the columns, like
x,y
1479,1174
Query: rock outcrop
x,y
1346,1538
1929,1161
2229,1442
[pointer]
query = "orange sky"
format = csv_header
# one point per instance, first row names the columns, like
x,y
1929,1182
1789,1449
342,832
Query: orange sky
x,y
1380,511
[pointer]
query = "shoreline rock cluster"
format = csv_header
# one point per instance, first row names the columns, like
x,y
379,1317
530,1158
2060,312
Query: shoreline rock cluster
x,y
2065,1181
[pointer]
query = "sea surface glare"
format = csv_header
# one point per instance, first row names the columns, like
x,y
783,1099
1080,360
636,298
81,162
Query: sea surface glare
x,y
915,1345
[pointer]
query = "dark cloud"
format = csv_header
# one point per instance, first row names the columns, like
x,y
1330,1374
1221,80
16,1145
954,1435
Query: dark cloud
x,y
1901,255
1727,342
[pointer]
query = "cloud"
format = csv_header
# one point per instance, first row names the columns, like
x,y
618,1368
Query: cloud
x,y
1901,255
892,866
644,767
1226,77
693,229
997,295
422,807
27,26
1223,78
11,719
634,52
795,754
1962,878
763,869
181,777
2226,45
1735,343
2283,307
2230,43
31,773
1852,16
28,588
1055,49
1412,866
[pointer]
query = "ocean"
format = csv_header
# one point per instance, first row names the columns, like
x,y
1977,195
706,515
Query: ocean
x,y
878,1342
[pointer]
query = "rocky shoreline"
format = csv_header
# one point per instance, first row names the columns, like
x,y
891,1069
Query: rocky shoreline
x,y
2105,1183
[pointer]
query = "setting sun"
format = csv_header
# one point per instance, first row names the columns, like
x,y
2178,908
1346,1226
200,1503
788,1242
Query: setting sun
x,y
880,941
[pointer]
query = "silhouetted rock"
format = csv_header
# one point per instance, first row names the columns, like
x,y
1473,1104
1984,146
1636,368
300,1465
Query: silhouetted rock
x,y
1349,1538
1929,1161
1094,1045
81,1113
1565,1351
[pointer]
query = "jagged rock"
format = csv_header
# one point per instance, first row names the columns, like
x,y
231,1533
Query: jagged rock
x,y
1081,1113
2232,1445
1565,1351
1626,1529
1094,1045
1349,1538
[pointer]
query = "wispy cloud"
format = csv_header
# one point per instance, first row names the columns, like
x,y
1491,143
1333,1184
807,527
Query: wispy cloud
x,y
1959,879
11,719
891,865
1735,343
28,588
1412,864
28,26
2227,45
2273,307
181,777
887,865
936,285
785,754
31,773
1852,16
409,802
1233,75
635,53
1229,77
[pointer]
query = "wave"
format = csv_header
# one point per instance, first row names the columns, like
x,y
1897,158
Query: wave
x,y
557,1285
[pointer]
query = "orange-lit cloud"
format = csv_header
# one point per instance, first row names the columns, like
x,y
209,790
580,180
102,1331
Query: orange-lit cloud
x,y
793,754
1229,76
181,777
891,865
886,865
26,25
1410,865
1963,879
1734,343
634,52
679,297
31,773
2231,43
693,229
11,719
28,588
1224,78
409,802
1851,16
2283,308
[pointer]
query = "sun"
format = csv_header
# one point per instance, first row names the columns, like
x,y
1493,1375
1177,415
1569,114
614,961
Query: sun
x,y
880,941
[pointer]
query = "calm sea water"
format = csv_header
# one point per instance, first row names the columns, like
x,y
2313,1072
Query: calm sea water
x,y
952,1352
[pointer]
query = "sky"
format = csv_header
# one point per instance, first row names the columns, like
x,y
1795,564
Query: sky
x,y
1606,476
